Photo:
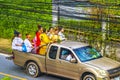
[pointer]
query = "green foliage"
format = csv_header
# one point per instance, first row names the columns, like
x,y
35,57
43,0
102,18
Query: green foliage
x,y
106,1
24,16
101,10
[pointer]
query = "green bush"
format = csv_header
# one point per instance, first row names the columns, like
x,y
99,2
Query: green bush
x,y
24,16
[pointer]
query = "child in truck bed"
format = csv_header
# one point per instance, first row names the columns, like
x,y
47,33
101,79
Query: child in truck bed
x,y
27,43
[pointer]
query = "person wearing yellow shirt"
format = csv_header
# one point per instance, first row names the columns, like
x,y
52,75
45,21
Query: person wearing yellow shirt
x,y
55,37
50,32
44,42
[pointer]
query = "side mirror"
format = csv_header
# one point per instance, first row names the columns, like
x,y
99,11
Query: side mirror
x,y
73,60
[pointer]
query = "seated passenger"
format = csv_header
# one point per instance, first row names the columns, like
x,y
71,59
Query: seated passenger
x,y
17,41
44,42
62,36
28,43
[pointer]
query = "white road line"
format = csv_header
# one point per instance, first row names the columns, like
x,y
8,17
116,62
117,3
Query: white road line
x,y
6,55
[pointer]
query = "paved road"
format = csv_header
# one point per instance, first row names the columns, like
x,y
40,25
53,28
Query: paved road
x,y
7,68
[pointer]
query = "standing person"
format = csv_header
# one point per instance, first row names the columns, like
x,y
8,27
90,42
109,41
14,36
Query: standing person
x,y
55,37
50,32
28,43
17,41
61,31
37,39
44,42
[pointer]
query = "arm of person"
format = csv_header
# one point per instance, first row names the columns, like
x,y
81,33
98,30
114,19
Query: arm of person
x,y
16,43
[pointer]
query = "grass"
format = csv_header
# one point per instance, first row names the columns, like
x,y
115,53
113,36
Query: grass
x,y
5,46
6,78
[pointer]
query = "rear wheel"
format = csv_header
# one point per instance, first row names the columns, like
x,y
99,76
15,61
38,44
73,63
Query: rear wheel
x,y
32,69
89,77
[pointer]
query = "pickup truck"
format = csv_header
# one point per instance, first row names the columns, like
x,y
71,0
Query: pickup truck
x,y
74,60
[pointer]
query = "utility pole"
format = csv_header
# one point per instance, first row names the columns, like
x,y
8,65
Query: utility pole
x,y
104,25
55,12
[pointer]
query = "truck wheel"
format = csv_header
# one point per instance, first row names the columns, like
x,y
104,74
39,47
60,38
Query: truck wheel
x,y
33,69
89,77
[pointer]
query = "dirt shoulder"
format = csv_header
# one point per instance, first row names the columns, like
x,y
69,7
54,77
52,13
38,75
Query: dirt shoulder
x,y
5,46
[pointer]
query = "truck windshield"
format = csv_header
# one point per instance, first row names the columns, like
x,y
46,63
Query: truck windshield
x,y
87,53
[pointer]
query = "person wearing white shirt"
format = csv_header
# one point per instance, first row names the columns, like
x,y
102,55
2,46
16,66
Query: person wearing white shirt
x,y
62,36
17,42
27,43
69,57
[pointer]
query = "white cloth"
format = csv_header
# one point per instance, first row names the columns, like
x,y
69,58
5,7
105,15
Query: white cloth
x,y
28,45
62,36
16,41
69,57
50,35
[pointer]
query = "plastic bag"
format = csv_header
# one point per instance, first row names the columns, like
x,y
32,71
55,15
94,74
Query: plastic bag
x,y
24,49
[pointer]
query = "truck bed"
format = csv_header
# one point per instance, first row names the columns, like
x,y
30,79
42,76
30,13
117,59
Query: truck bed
x,y
22,58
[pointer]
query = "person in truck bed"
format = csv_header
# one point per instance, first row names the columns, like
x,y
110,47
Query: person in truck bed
x,y
61,31
17,41
55,38
50,32
27,43
36,40
44,41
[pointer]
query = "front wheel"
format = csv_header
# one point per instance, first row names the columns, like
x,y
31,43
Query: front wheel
x,y
32,69
89,77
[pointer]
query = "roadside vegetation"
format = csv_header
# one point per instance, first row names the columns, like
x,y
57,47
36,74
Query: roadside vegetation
x,y
25,15
91,29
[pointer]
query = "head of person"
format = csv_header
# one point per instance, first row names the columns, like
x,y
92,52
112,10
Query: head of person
x,y
17,34
51,29
61,29
40,29
28,36
44,30
56,31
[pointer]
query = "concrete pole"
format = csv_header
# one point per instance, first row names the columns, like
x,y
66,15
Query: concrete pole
x,y
54,13
104,24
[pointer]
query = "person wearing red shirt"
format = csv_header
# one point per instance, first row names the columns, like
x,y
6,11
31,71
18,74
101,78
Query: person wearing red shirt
x,y
36,40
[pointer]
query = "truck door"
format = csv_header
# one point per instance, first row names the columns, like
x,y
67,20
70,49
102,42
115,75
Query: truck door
x,y
51,60
66,68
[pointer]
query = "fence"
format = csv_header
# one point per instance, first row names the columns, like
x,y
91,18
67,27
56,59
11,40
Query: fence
x,y
93,23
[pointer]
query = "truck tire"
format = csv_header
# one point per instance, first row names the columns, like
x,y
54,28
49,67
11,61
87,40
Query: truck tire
x,y
89,77
32,69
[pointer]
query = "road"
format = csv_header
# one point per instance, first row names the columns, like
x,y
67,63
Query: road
x,y
8,68
74,10
69,9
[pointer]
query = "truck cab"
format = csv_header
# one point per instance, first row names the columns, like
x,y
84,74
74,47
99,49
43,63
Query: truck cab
x,y
74,60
